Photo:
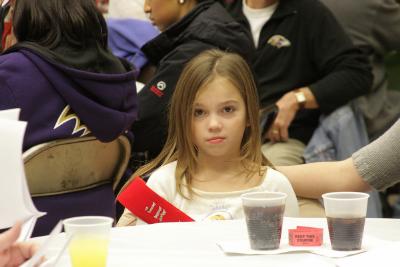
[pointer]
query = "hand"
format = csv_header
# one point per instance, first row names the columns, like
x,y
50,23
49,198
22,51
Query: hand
x,y
288,108
11,253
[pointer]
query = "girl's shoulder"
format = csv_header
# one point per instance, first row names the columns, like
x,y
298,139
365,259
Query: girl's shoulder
x,y
274,178
165,168
163,175
272,173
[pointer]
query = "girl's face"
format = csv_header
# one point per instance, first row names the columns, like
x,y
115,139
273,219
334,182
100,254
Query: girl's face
x,y
218,120
163,13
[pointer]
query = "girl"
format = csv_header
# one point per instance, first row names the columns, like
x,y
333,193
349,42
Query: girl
x,y
212,154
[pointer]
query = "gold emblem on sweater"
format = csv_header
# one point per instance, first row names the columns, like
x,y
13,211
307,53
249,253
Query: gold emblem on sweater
x,y
68,115
279,41
219,215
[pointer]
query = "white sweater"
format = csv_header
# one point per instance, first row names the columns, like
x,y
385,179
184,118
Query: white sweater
x,y
213,205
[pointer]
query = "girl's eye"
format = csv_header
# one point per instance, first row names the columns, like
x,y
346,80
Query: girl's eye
x,y
229,109
198,112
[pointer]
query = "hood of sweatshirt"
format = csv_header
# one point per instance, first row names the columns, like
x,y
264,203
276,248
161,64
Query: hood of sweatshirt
x,y
105,102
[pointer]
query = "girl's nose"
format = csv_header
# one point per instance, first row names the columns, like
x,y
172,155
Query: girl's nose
x,y
214,124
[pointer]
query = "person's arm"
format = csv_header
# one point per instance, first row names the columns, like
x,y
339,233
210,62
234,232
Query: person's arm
x,y
287,109
344,72
314,179
378,162
375,165
11,253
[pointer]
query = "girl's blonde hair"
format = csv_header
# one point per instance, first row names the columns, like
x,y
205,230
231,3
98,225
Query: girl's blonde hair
x,y
197,73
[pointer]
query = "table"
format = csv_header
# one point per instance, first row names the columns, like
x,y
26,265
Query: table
x,y
194,244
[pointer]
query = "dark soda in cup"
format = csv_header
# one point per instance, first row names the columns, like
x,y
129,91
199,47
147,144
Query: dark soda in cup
x,y
346,233
264,226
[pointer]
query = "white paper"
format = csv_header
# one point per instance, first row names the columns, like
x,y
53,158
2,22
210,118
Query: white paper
x,y
242,246
27,229
15,200
10,114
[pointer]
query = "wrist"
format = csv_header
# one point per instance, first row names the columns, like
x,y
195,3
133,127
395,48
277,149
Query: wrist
x,y
301,98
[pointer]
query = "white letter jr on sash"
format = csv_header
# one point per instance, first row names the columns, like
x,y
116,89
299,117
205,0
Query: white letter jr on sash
x,y
161,212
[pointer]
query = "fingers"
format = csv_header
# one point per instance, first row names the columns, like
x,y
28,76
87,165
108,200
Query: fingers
x,y
278,131
26,249
8,238
21,252
284,133
274,134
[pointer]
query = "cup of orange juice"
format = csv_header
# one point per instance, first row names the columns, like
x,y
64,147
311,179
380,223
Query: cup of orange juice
x,y
90,236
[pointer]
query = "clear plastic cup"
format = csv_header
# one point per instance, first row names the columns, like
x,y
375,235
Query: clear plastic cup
x,y
90,236
345,213
264,217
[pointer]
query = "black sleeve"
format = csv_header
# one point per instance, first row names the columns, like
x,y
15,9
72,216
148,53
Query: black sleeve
x,y
150,130
345,70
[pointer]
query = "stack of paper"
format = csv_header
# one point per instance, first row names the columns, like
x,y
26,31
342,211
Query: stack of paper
x,y
15,200
15,203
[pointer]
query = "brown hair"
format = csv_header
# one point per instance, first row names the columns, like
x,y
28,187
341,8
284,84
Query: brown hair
x,y
51,22
197,73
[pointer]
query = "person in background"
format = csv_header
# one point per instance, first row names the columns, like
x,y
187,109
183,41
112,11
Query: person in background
x,y
304,63
67,84
212,154
187,27
375,165
349,128
13,253
65,62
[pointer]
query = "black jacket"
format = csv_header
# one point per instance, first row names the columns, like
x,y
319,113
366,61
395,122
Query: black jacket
x,y
207,26
320,56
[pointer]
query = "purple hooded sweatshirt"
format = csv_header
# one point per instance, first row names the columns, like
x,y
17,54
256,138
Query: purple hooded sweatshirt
x,y
61,102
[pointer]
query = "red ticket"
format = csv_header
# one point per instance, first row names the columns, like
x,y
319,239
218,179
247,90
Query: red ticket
x,y
306,236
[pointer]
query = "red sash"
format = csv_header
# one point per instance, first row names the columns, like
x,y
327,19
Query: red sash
x,y
148,206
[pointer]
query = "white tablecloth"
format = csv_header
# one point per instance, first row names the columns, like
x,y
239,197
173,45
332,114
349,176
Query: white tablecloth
x,y
194,244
